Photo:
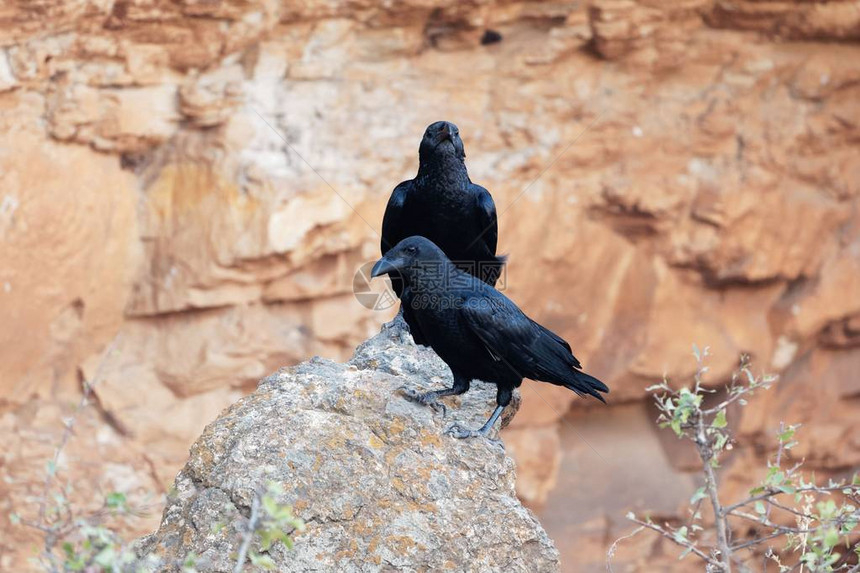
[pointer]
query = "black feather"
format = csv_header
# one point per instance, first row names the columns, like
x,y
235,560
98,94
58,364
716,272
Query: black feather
x,y
442,204
479,332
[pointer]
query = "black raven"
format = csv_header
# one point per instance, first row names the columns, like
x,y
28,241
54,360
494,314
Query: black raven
x,y
443,204
478,331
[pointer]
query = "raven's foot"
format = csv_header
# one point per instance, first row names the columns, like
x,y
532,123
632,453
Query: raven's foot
x,y
427,399
461,433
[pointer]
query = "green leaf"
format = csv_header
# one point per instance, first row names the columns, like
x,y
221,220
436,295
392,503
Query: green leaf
x,y
719,420
786,435
760,508
263,561
700,494
106,557
75,563
826,509
270,505
775,476
115,500
275,488
269,536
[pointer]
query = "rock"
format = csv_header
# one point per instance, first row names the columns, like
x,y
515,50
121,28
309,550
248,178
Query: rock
x,y
209,104
838,20
205,178
655,32
7,78
538,454
371,474
128,119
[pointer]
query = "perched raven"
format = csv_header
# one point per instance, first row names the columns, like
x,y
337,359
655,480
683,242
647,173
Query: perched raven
x,y
443,204
478,331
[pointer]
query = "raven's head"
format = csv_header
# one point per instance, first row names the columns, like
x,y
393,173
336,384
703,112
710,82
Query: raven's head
x,y
440,139
410,256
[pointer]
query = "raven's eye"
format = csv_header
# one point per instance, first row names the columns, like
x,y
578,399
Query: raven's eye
x,y
411,250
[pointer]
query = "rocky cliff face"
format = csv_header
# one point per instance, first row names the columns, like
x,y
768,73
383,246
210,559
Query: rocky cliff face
x,y
371,474
201,179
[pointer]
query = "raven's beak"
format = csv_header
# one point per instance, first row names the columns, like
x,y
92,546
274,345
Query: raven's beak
x,y
444,134
382,267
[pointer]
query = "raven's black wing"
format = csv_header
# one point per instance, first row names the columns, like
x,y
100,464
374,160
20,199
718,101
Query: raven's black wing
x,y
487,237
525,346
406,308
393,225
486,217
395,228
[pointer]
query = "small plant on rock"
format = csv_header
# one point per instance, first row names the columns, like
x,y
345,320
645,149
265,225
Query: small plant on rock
x,y
270,522
80,540
809,525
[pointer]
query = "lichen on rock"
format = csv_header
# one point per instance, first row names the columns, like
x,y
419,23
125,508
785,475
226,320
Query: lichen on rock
x,y
373,476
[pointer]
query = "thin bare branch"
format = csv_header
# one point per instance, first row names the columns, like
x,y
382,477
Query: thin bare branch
x,y
250,530
774,492
53,530
612,548
706,452
668,535
737,396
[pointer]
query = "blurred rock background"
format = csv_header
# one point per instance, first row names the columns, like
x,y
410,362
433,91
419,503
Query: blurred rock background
x,y
192,184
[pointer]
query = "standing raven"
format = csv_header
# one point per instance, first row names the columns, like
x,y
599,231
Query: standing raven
x,y
443,204
478,331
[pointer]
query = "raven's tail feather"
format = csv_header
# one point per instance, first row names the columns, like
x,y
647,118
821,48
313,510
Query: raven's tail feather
x,y
555,363
583,383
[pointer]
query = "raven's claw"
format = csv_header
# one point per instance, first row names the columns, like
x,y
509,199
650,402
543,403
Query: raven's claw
x,y
427,399
459,432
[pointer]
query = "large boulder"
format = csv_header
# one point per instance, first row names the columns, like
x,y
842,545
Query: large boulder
x,y
374,477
